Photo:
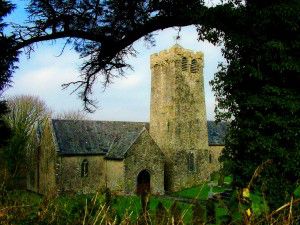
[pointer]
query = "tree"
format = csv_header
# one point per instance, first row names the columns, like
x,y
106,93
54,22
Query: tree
x,y
26,115
4,130
102,31
7,61
257,88
71,115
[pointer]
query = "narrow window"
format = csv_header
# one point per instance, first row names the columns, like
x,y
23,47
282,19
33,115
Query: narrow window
x,y
84,168
210,158
177,131
194,66
184,64
191,162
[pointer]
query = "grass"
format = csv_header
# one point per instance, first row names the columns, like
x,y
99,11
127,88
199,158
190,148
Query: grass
x,y
198,192
131,205
73,209
201,192
297,192
22,197
228,180
258,204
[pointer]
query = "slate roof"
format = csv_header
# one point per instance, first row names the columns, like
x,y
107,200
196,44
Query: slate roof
x,y
110,138
119,148
84,137
216,132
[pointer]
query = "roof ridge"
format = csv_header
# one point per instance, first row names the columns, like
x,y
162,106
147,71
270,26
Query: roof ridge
x,y
129,146
88,120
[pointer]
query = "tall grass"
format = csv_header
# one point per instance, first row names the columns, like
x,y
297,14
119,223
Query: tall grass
x,y
243,207
21,207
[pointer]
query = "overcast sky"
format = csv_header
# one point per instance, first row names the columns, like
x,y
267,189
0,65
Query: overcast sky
x,y
128,98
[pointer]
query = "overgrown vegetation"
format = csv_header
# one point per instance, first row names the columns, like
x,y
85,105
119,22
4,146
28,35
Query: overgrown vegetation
x,y
7,65
21,207
5,9
257,90
26,117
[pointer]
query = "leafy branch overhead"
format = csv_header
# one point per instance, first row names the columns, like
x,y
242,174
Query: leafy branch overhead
x,y
103,32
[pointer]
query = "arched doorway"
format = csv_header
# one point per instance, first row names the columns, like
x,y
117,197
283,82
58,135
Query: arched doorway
x,y
143,182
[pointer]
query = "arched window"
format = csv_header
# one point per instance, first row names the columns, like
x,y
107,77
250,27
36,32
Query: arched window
x,y
84,168
184,64
191,162
194,66
210,158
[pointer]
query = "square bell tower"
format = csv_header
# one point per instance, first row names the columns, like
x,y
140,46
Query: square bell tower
x,y
178,121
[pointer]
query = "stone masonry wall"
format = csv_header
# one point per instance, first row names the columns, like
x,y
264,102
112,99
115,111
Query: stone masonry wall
x,y
206,162
144,154
178,117
215,152
70,179
115,175
177,114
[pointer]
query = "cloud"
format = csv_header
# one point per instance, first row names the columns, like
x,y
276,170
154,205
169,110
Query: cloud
x,y
43,74
127,98
129,81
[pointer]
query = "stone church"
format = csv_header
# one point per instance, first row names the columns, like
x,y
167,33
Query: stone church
x,y
178,149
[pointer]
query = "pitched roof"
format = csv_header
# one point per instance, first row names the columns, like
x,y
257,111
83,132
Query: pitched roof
x,y
110,138
216,132
95,137
119,149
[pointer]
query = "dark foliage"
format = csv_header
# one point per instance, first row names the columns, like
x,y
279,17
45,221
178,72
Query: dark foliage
x,y
108,197
8,57
198,214
161,215
4,129
176,214
259,89
145,198
210,212
7,60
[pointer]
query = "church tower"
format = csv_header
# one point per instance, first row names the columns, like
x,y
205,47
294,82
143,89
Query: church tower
x,y
177,116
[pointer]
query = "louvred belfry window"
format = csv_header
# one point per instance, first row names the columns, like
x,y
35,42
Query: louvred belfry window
x,y
184,63
194,66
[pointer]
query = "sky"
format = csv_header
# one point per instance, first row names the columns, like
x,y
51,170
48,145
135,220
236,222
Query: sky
x,y
127,98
